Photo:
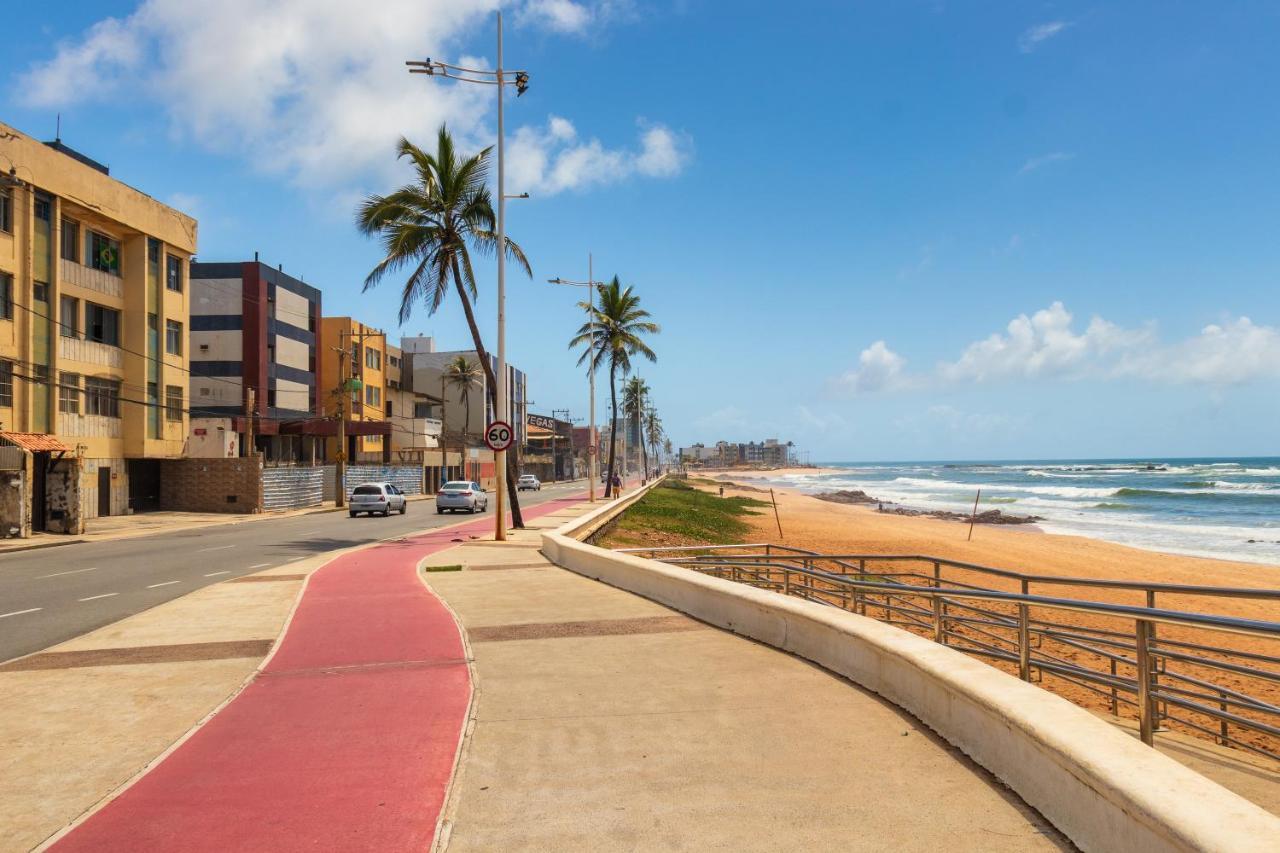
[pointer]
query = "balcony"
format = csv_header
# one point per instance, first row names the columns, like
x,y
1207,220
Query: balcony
x,y
91,279
89,352
88,426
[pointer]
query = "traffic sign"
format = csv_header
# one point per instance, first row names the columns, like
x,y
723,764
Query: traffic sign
x,y
499,436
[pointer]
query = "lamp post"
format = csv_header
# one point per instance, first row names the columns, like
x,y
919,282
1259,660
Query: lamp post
x,y
594,450
500,78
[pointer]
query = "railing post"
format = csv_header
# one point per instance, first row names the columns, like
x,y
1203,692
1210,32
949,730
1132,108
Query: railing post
x,y
860,600
1155,669
1146,721
1115,697
786,581
1024,639
939,607
1223,739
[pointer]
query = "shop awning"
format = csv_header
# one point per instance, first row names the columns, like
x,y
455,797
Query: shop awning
x,y
35,442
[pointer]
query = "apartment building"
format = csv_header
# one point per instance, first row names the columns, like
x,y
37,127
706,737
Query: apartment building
x,y
93,335
352,378
414,414
254,337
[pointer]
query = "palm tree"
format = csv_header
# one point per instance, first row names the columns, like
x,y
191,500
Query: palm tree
x,y
667,449
462,374
430,226
614,334
635,399
653,428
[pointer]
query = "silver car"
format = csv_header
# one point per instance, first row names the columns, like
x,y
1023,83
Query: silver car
x,y
530,482
461,495
380,498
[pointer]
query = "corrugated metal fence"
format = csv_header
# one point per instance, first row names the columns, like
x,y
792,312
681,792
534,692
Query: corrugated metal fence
x,y
406,478
291,488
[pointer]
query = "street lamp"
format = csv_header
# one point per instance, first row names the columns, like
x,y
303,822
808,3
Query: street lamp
x,y
500,78
593,450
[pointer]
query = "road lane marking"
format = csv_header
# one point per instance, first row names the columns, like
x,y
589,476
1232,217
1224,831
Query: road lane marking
x,y
166,583
72,572
96,597
19,612
218,548
215,574
259,566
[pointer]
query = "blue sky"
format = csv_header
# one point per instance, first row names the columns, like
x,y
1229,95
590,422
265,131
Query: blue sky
x,y
927,230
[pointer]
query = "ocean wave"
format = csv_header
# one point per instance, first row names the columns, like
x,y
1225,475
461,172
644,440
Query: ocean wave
x,y
1198,494
1056,491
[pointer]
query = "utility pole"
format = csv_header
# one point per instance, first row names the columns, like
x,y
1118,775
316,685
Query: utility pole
x,y
340,458
249,400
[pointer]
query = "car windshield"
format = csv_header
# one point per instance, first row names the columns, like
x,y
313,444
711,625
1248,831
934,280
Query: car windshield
x,y
456,487
367,490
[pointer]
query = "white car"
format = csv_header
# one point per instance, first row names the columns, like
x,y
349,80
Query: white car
x,y
461,495
380,498
530,482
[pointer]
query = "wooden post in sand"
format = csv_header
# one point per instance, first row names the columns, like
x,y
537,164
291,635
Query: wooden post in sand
x,y
974,516
775,512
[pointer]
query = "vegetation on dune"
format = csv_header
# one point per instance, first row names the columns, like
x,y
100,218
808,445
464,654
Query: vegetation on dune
x,y
676,513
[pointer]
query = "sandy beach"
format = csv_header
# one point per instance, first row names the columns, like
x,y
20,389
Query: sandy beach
x,y
841,529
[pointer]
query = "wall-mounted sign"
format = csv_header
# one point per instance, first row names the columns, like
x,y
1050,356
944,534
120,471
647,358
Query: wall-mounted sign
x,y
541,421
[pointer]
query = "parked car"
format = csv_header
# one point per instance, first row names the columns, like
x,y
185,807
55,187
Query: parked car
x,y
461,495
379,498
529,482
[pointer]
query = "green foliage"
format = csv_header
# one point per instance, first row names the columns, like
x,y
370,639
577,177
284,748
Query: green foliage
x,y
676,508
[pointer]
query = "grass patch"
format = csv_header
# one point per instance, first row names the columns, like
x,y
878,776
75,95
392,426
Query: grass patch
x,y
442,568
677,513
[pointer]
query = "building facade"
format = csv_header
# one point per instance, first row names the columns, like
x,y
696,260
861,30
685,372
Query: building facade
x,y
93,334
254,345
353,386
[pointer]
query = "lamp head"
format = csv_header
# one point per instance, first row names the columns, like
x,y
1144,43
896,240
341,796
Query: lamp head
x,y
522,82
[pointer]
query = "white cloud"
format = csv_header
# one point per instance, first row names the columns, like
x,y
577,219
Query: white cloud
x,y
1032,37
1053,157
1041,345
1046,346
562,16
1230,353
553,159
959,423
312,89
879,369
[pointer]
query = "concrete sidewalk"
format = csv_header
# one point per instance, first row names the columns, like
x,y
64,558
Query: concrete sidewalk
x,y
603,721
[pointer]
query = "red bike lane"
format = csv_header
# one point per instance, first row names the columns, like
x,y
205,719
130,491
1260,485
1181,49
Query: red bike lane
x,y
345,740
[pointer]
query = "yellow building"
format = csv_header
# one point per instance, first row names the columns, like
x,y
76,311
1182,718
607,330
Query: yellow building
x,y
93,333
354,356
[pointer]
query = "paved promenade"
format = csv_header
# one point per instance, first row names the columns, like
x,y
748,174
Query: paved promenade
x,y
587,717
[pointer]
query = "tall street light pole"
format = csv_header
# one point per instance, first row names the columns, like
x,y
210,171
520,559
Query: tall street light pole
x,y
593,451
501,79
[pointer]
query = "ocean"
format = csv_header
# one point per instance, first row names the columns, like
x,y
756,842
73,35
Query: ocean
x,y
1221,507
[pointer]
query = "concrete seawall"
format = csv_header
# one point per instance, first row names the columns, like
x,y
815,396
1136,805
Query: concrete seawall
x,y
1102,788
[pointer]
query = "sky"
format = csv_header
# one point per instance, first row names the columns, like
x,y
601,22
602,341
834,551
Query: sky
x,y
883,231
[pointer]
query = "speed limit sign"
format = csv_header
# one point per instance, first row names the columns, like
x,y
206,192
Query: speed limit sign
x,y
499,436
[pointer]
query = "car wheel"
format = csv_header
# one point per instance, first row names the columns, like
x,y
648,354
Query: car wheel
x,y
354,514
404,505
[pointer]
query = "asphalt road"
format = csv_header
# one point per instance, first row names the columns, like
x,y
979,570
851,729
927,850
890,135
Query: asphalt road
x,y
49,595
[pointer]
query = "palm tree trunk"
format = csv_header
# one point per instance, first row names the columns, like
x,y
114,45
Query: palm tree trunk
x,y
513,496
644,454
613,425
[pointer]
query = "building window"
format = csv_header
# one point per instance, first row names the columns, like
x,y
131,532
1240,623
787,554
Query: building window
x,y
69,316
71,240
69,393
101,324
173,337
40,291
104,253
44,209
373,395
6,384
355,353
173,402
173,273
372,359
271,398
6,296
102,397
388,408
6,212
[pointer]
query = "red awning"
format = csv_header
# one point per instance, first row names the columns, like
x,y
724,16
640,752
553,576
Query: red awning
x,y
36,442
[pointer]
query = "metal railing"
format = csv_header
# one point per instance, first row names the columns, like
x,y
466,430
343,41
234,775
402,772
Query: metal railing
x,y
1200,672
